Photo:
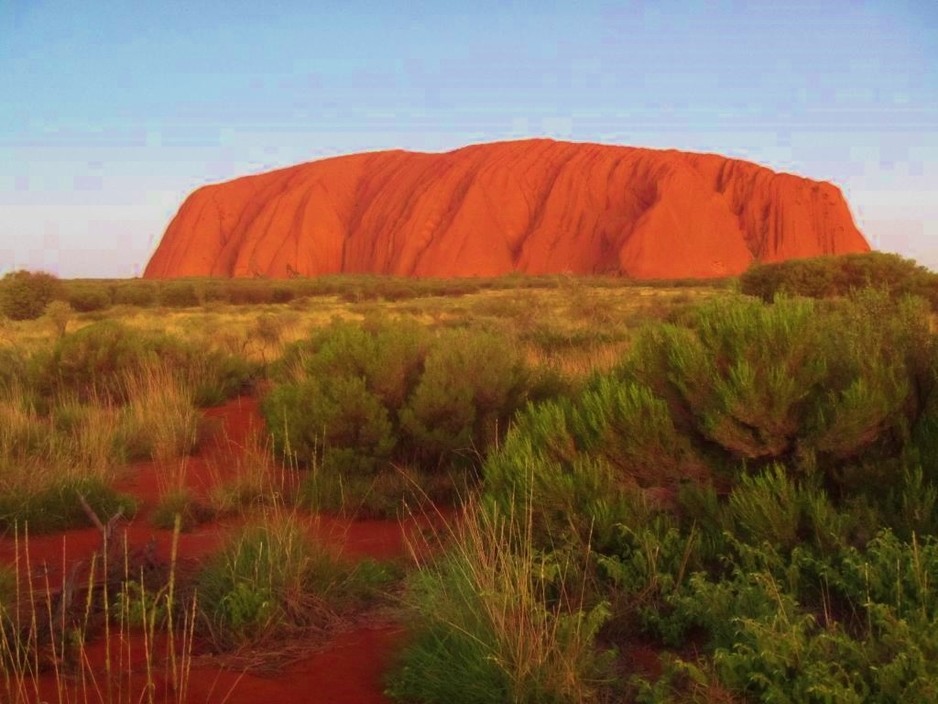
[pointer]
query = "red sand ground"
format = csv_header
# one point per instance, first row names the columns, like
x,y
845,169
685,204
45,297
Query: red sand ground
x,y
534,206
347,668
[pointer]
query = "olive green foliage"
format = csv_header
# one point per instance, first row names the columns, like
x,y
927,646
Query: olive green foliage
x,y
89,297
471,384
142,294
337,419
806,431
857,626
262,581
576,463
93,362
825,277
24,295
179,294
97,294
355,397
348,385
799,380
180,505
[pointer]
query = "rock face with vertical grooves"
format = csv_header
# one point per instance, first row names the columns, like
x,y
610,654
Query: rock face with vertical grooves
x,y
534,206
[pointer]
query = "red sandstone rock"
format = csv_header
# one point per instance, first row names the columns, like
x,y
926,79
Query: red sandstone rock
x,y
534,206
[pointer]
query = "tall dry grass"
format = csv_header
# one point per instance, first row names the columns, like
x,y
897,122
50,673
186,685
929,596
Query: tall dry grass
x,y
107,637
498,620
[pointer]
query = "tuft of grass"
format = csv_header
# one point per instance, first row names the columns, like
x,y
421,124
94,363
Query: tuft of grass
x,y
180,504
269,580
497,620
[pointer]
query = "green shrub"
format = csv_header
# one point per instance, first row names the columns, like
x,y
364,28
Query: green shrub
x,y
218,376
180,505
142,294
94,361
577,462
60,314
336,419
354,398
471,384
768,508
246,292
770,645
281,294
380,495
826,277
179,294
793,381
89,298
389,356
270,580
24,295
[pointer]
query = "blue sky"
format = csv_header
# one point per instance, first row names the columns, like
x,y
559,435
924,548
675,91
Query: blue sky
x,y
112,112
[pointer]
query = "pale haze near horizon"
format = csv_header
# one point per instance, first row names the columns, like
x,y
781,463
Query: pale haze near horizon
x,y
111,114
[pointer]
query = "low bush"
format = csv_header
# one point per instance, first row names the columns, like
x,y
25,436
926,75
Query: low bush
x,y
352,400
95,362
826,277
575,463
60,314
56,505
336,419
271,579
179,294
263,581
142,294
472,382
24,295
180,507
795,381
89,298
734,489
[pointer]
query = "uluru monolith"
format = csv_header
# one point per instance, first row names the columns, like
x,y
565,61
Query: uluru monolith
x,y
535,206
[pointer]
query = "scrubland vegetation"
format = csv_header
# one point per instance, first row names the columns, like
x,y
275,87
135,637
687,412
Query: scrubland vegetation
x,y
680,492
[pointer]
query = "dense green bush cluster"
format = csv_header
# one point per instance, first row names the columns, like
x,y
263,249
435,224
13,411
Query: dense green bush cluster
x,y
87,298
24,295
835,390
798,381
757,479
575,463
826,277
355,398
